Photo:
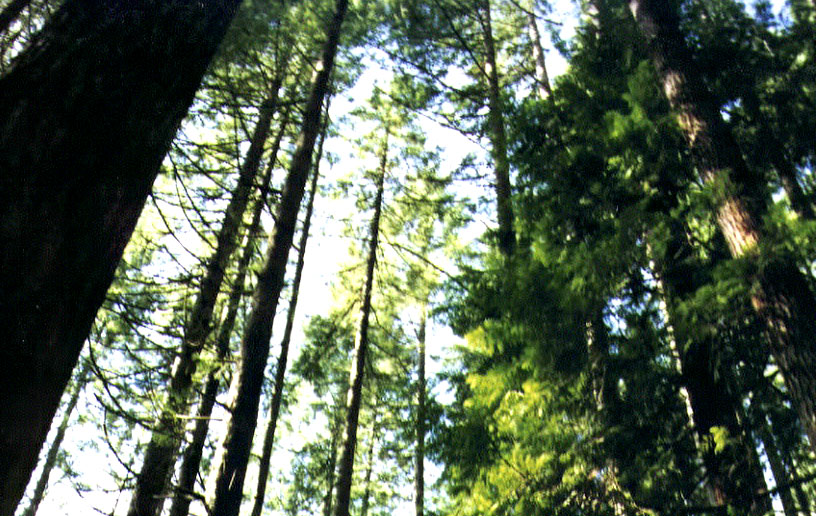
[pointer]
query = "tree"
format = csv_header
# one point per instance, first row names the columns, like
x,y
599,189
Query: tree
x,y
106,125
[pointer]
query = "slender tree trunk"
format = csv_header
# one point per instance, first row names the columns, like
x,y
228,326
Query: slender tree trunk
x,y
10,13
781,295
160,456
81,141
498,138
346,471
419,474
255,343
331,467
542,78
280,371
191,459
53,451
369,468
778,469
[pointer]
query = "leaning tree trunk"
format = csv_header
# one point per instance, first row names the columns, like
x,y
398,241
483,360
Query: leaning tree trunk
x,y
56,444
160,456
191,459
498,138
542,78
346,470
280,370
81,141
781,294
255,342
419,473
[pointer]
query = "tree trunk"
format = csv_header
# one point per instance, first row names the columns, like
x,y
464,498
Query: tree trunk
x,y
81,141
778,469
781,295
53,451
191,459
160,456
331,467
541,77
498,139
255,343
10,13
280,370
419,474
346,471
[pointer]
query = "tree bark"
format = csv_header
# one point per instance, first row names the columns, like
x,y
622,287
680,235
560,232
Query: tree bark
x,y
56,444
346,470
280,370
498,138
191,459
160,456
255,342
10,13
541,77
81,141
419,474
780,294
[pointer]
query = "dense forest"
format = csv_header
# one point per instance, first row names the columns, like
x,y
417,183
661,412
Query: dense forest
x,y
437,258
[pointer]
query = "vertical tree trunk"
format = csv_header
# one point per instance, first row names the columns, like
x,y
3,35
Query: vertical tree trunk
x,y
781,295
369,468
419,473
778,469
191,459
346,470
542,78
81,141
10,13
255,343
53,451
498,138
159,458
280,371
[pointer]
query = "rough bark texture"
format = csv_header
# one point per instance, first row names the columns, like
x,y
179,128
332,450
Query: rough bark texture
x,y
419,473
498,139
56,444
280,370
255,342
160,456
355,392
81,141
781,295
191,459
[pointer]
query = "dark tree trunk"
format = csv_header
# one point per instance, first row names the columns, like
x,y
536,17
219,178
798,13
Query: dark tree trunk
x,y
280,370
191,459
81,141
53,451
781,295
498,138
419,474
160,456
10,13
355,393
255,343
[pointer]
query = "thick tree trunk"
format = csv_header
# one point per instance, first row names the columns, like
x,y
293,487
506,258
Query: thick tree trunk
x,y
781,295
56,444
280,370
498,138
346,470
160,456
81,141
10,13
255,343
419,473
191,459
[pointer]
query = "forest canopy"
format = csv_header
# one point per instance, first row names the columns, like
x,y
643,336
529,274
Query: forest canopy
x,y
440,258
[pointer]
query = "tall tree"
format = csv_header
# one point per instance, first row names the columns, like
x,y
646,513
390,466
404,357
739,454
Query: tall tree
x,y
781,294
106,124
255,342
